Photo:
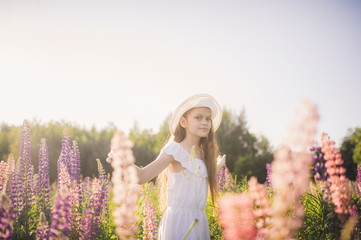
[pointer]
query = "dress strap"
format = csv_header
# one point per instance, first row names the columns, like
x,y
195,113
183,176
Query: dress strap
x,y
193,165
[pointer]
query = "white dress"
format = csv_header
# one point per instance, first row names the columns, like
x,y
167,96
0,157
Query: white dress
x,y
186,197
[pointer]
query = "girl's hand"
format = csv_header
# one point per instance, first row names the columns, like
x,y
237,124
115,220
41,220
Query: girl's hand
x,y
221,161
110,156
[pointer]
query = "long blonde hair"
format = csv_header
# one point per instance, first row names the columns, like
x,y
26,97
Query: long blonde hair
x,y
209,149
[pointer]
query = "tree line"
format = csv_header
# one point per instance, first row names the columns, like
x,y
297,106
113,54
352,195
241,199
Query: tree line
x,y
247,153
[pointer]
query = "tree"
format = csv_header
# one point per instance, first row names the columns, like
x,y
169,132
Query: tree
x,y
247,154
351,152
144,143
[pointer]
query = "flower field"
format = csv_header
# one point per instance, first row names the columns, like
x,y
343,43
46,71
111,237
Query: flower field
x,y
306,195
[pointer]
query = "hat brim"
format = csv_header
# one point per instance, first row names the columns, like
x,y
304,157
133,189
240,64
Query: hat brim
x,y
199,100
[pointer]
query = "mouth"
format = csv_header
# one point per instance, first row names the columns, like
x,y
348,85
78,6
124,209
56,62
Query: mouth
x,y
204,129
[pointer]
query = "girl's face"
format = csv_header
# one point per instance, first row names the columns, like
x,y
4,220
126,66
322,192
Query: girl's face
x,y
198,121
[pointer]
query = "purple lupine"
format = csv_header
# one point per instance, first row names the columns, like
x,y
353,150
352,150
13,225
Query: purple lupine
x,y
104,192
356,228
43,179
60,218
268,178
319,168
75,190
90,220
75,163
42,230
26,166
64,157
220,178
75,169
6,227
87,186
17,192
359,176
224,180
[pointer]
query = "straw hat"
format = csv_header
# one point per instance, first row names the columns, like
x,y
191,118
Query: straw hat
x,y
199,100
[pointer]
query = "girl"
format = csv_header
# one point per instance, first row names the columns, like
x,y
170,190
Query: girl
x,y
187,164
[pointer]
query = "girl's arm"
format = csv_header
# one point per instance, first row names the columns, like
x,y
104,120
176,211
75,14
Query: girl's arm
x,y
154,168
151,170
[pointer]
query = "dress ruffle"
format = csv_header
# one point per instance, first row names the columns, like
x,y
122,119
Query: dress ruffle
x,y
193,165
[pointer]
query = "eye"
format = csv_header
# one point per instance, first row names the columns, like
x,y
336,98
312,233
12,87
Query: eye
x,y
209,119
198,117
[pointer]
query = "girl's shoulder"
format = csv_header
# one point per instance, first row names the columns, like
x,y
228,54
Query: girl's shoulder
x,y
181,155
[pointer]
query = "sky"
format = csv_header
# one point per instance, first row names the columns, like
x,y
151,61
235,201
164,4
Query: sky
x,y
100,62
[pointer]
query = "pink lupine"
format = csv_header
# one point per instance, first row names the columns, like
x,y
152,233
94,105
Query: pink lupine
x,y
43,188
11,162
125,187
290,173
338,187
63,177
261,207
4,175
150,228
74,206
236,217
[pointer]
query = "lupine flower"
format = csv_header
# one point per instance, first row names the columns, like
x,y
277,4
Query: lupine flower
x,y
26,165
43,179
42,230
104,193
236,217
17,191
359,176
87,189
125,187
11,162
75,163
74,213
63,177
60,218
75,190
319,168
290,173
64,157
91,217
340,196
150,228
4,175
224,180
101,170
6,227
261,207
268,178
354,212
